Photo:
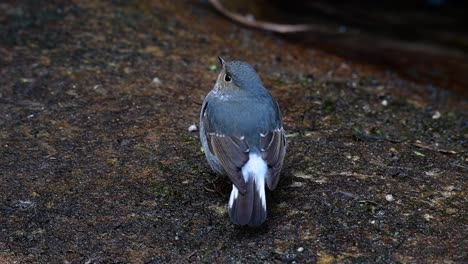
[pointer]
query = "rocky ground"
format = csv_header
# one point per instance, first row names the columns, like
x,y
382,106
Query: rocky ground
x,y
97,163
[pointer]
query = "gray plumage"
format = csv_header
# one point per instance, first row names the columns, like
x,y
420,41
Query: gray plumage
x,y
242,133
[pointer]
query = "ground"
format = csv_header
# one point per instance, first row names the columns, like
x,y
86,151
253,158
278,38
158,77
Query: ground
x,y
97,163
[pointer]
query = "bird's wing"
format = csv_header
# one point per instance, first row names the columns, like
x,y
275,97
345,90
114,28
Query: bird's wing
x,y
273,147
231,151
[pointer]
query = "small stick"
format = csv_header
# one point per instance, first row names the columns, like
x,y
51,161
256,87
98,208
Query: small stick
x,y
424,146
278,28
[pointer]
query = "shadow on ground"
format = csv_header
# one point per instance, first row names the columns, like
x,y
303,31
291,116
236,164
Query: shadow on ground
x,y
97,164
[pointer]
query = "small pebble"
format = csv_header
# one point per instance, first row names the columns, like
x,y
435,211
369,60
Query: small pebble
x,y
156,81
192,128
428,217
296,185
366,108
300,249
389,198
384,102
436,115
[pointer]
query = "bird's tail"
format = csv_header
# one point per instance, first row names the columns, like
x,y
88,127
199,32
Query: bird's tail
x,y
249,208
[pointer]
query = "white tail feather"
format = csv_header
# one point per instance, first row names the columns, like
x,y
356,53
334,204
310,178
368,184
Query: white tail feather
x,y
250,208
256,168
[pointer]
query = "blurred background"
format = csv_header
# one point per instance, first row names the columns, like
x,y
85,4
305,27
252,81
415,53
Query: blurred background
x,y
423,40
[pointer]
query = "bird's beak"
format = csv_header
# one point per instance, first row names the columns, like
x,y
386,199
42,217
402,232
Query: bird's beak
x,y
221,61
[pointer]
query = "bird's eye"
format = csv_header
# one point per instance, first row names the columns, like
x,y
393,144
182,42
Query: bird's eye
x,y
227,78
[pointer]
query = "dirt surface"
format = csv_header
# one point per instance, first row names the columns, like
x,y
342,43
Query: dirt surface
x,y
98,166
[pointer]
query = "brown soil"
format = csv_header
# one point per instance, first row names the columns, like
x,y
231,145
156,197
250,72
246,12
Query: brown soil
x,y
97,164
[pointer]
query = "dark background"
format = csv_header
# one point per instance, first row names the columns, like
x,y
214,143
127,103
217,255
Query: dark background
x,y
424,41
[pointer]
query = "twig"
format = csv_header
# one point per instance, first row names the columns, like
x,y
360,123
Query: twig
x,y
278,28
424,146
460,166
193,253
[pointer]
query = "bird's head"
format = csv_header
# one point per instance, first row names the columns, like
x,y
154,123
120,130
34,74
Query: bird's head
x,y
237,76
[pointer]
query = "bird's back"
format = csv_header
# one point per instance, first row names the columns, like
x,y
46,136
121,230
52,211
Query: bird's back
x,y
246,116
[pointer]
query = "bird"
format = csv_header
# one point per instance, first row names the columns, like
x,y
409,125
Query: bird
x,y
242,134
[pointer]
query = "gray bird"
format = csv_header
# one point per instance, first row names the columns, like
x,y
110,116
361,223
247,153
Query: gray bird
x,y
243,137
